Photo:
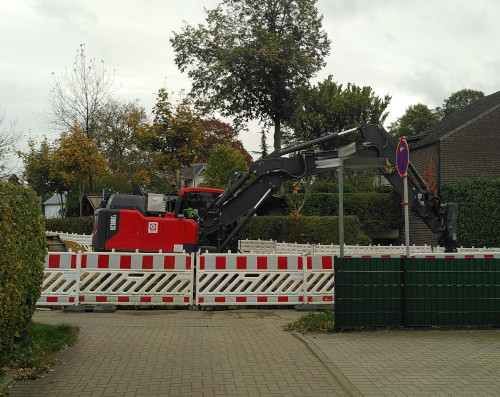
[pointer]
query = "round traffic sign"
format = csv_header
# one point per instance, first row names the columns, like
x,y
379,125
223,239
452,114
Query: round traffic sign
x,y
402,157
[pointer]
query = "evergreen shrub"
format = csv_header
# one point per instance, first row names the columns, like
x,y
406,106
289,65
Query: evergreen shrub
x,y
478,201
23,250
302,229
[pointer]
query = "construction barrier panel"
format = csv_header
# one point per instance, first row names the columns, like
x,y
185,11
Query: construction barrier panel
x,y
136,279
232,279
60,285
319,279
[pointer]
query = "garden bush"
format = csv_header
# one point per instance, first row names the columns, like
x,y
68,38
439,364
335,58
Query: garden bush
x,y
78,225
377,212
305,229
478,201
22,247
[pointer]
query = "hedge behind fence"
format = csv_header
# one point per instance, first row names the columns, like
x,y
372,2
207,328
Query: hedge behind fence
x,y
79,225
377,212
302,229
478,201
22,247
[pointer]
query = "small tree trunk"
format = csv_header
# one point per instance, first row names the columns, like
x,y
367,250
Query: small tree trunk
x,y
277,133
81,198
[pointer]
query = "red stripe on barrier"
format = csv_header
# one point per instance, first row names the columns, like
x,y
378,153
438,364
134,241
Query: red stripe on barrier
x,y
220,299
201,299
103,262
309,298
282,298
430,256
72,299
301,299
54,261
188,263
385,256
282,263
262,262
168,299
241,299
125,262
73,261
81,299
326,262
202,263
241,262
147,262
449,256
52,298
186,299
101,298
169,263
123,299
469,256
220,263
328,299
300,264
146,299
84,261
366,256
489,256
261,299
309,263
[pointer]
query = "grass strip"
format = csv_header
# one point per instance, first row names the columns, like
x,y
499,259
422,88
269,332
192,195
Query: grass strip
x,y
314,322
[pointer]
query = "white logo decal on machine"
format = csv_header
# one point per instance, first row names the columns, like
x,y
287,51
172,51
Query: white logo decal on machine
x,y
112,222
153,227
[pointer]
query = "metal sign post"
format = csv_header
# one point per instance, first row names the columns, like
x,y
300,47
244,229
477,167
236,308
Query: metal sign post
x,y
403,159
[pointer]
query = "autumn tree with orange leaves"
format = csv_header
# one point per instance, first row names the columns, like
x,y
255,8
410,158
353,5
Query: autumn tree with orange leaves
x,y
77,156
220,133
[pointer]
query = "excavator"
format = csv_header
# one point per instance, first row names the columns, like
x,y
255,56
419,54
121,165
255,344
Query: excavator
x,y
211,219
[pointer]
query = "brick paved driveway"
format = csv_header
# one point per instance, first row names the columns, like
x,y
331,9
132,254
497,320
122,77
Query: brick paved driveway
x,y
188,353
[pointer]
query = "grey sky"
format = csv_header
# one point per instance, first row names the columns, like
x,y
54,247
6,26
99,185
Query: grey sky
x,y
417,51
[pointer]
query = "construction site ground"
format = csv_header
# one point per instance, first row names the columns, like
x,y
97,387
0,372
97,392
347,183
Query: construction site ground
x,y
247,353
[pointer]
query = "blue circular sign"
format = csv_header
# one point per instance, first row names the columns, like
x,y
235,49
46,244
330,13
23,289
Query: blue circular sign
x,y
402,157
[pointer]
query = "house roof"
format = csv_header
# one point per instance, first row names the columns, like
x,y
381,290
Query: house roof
x,y
55,200
449,124
195,169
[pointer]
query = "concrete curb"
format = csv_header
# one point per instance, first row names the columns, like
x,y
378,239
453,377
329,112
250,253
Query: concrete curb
x,y
329,364
7,380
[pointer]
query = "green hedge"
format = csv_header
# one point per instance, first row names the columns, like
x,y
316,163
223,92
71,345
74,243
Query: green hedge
x,y
302,229
377,212
79,225
22,247
478,201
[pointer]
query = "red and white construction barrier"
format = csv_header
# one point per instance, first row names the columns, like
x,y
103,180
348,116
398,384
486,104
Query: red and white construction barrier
x,y
60,282
136,279
232,279
319,279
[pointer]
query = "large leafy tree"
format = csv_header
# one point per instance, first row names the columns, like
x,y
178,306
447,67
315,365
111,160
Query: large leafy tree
x,y
251,57
224,161
174,137
37,164
459,100
75,157
329,107
116,123
416,119
217,132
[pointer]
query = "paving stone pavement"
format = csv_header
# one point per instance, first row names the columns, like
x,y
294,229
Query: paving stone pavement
x,y
246,352
182,353
413,363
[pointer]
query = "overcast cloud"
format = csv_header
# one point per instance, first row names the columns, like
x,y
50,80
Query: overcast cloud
x,y
416,51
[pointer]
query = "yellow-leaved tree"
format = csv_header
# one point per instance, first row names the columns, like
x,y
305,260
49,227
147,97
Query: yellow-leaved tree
x,y
77,156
